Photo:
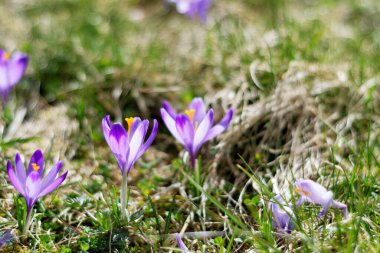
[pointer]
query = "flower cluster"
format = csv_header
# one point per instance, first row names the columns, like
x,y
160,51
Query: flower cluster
x,y
192,129
309,191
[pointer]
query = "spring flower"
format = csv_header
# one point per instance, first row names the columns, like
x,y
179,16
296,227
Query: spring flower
x,y
31,183
194,127
193,8
281,220
12,68
5,237
181,244
128,145
313,192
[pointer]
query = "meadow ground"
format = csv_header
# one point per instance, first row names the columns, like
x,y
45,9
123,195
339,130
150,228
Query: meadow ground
x,y
302,77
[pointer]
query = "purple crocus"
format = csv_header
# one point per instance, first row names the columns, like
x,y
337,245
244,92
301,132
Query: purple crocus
x,y
194,127
193,8
31,184
313,192
181,244
128,145
283,215
12,68
6,237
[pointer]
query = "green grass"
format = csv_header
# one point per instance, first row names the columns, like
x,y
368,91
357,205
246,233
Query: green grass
x,y
124,58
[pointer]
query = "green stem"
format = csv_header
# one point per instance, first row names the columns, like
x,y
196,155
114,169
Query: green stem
x,y
123,197
27,222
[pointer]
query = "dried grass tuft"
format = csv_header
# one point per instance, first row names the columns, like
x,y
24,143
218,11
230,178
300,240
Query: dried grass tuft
x,y
291,131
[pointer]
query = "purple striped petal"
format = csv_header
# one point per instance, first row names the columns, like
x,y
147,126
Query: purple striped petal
x,y
171,125
150,140
16,68
14,180
106,125
167,106
203,129
49,178
185,129
220,127
199,109
135,125
38,159
136,143
20,169
52,186
119,144
33,185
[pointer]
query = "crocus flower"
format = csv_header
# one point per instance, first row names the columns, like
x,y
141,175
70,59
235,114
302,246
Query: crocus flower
x,y
313,192
181,244
194,127
31,184
128,145
193,8
5,237
281,220
12,68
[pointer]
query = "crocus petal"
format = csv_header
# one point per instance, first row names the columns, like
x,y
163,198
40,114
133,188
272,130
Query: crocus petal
x,y
199,109
20,169
4,81
6,237
17,67
150,139
220,127
313,192
136,142
106,125
281,220
38,159
183,6
49,178
341,206
135,125
203,8
52,186
33,185
171,125
169,109
202,130
14,180
185,129
119,144
181,244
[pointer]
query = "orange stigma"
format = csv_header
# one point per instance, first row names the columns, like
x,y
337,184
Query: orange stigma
x,y
190,113
6,56
302,191
130,121
35,167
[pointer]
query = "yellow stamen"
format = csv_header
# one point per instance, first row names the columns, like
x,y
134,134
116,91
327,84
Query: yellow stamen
x,y
302,191
130,121
190,113
35,167
6,56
